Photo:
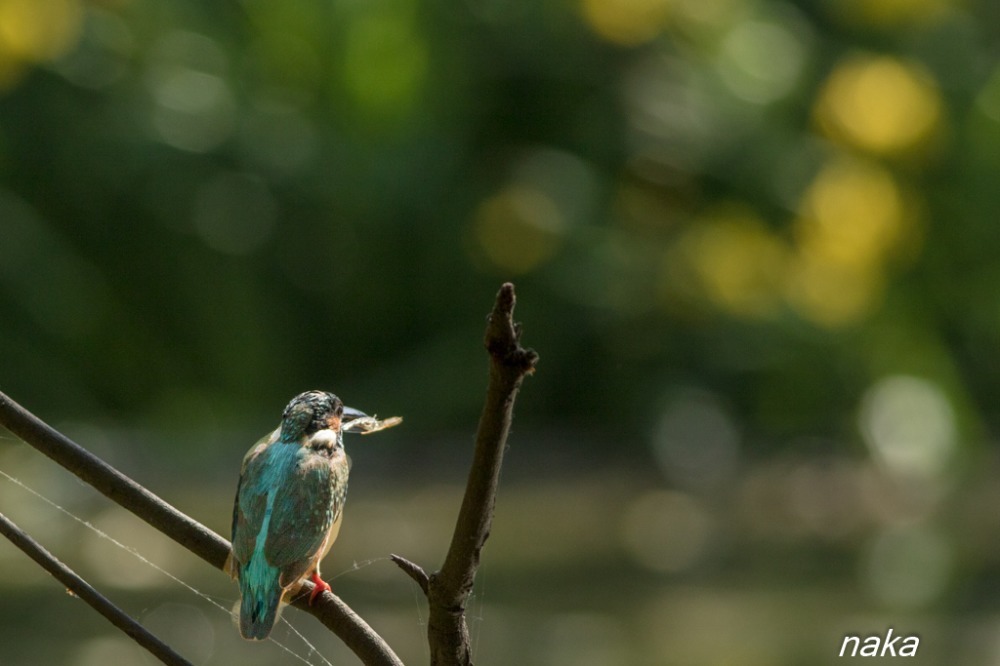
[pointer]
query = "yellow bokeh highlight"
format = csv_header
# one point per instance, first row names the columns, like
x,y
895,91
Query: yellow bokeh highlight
x,y
626,22
852,219
39,30
852,214
853,222
879,104
736,262
518,229
33,31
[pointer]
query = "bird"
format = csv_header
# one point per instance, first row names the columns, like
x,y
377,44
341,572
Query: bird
x,y
289,505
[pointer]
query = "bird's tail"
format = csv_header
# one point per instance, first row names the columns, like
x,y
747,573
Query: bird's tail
x,y
261,595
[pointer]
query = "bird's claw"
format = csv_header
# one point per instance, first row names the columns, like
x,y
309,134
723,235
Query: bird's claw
x,y
319,587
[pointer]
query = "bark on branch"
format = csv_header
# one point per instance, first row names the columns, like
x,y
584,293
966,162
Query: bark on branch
x,y
448,589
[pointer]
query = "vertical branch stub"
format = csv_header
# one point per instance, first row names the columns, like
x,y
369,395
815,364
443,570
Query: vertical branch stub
x,y
448,589
503,335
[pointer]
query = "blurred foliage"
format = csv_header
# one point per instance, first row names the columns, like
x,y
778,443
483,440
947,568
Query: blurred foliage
x,y
755,242
208,207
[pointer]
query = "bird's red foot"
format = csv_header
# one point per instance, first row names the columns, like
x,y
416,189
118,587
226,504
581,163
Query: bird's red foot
x,y
321,586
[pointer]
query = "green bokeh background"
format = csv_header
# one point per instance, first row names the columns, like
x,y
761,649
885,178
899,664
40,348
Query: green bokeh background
x,y
755,244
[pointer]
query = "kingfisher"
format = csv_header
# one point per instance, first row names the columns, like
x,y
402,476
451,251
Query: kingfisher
x,y
289,505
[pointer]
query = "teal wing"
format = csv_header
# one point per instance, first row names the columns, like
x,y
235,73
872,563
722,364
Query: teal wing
x,y
305,509
250,503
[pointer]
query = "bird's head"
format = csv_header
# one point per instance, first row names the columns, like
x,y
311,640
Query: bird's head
x,y
310,412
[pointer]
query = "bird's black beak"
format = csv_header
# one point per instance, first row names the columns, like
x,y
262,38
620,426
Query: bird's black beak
x,y
351,414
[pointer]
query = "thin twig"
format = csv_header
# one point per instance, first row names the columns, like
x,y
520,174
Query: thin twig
x,y
80,588
370,648
413,570
448,589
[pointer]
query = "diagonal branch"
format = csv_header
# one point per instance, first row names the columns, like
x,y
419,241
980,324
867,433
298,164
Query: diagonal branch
x,y
92,597
203,542
448,589
79,587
